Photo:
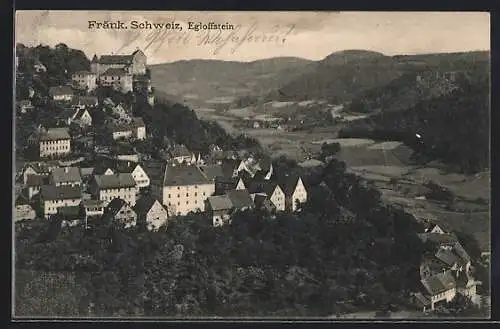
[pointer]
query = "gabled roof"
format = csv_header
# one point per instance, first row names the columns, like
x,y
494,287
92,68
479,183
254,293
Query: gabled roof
x,y
266,187
115,59
125,166
448,257
177,175
120,180
54,134
212,171
220,202
66,174
439,283
115,72
289,183
240,199
51,192
155,170
421,299
263,202
39,167
144,204
60,91
114,206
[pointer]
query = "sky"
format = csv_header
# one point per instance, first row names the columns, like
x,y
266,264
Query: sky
x,y
256,35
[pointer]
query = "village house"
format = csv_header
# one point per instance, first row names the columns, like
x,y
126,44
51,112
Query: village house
x,y
53,197
36,168
139,128
92,208
119,79
34,184
140,176
120,211
220,207
66,176
151,212
54,142
85,102
184,189
122,114
135,129
84,80
109,187
134,64
82,118
224,184
61,93
295,192
23,210
444,272
119,132
271,190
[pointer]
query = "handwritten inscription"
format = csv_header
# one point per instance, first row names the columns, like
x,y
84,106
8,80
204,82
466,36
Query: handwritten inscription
x,y
155,36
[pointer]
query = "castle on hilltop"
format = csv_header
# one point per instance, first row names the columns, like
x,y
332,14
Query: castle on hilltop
x,y
125,73
134,64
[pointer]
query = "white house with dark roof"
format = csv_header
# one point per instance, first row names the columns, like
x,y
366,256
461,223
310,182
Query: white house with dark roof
x,y
119,185
61,93
185,189
53,197
151,212
84,80
66,176
36,168
54,142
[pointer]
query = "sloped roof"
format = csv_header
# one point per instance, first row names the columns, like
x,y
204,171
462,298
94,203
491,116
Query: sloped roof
x,y
155,170
212,171
137,122
114,206
263,202
60,91
439,283
289,183
115,59
240,199
176,175
448,257
220,202
54,134
120,180
36,180
66,174
144,204
39,167
438,238
51,192
86,171
461,252
92,203
421,299
266,187
114,72
69,211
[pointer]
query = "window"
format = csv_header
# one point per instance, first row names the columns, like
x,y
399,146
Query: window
x,y
178,195
187,194
169,196
178,203
187,202
195,193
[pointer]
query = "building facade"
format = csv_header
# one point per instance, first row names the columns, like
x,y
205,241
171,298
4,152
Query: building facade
x,y
84,80
55,142
109,187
